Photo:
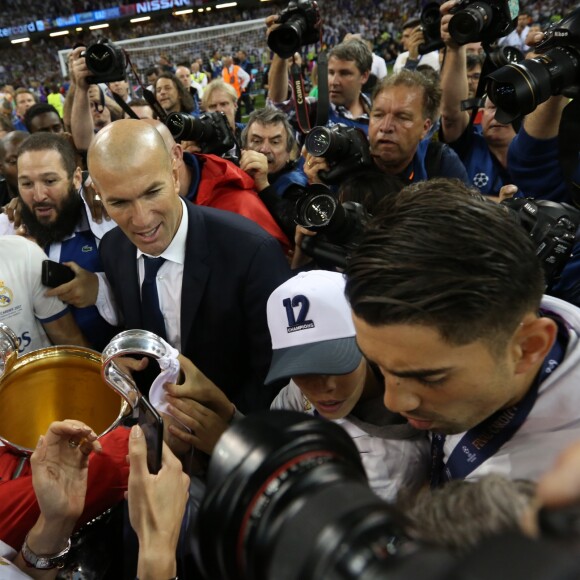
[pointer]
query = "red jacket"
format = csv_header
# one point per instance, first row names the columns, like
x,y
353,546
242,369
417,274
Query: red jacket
x,y
107,482
224,185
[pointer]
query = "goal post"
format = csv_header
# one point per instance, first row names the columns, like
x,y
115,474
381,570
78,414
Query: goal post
x,y
186,45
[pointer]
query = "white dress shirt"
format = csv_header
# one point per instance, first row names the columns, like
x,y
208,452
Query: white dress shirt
x,y
169,282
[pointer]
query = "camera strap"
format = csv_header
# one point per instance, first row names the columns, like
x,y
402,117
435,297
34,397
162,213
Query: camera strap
x,y
147,95
124,106
482,441
299,95
323,104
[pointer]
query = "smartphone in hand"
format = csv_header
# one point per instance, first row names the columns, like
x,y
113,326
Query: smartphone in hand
x,y
55,274
152,424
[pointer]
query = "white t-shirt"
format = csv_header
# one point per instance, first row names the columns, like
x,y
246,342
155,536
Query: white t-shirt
x,y
431,59
23,305
379,67
390,464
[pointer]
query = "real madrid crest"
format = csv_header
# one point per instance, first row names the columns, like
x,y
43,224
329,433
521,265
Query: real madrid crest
x,y
6,295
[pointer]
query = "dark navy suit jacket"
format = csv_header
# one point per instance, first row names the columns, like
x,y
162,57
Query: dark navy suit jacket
x,y
231,267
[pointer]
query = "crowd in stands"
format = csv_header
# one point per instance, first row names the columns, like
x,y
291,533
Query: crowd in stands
x,y
390,254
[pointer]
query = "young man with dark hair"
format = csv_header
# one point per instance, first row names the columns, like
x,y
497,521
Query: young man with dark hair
x,y
447,298
43,117
411,38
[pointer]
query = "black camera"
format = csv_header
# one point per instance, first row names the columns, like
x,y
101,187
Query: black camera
x,y
107,62
552,227
339,226
431,26
480,21
287,498
345,148
210,131
299,26
517,89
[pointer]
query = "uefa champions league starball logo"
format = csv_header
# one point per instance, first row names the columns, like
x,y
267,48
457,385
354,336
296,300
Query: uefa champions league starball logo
x,y
480,180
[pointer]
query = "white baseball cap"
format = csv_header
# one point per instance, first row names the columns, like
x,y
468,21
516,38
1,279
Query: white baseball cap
x,y
311,327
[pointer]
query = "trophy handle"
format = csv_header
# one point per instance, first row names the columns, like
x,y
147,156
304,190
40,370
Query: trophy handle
x,y
127,343
8,348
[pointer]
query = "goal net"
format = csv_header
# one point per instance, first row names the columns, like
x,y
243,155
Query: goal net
x,y
186,45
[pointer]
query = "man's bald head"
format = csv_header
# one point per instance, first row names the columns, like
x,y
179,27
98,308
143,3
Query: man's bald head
x,y
163,131
138,182
125,143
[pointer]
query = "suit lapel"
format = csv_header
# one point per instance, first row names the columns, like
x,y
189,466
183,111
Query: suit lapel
x,y
195,271
128,277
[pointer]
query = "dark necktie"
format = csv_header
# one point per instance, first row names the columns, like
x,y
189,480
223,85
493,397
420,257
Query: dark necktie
x,y
150,310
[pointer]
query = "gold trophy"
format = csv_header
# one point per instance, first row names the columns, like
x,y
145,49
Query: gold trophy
x,y
67,382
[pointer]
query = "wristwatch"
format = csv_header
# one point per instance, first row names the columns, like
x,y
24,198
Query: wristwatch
x,y
45,561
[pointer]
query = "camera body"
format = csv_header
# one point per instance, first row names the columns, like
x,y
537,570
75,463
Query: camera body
x,y
339,226
106,62
517,89
210,131
346,149
552,227
299,26
482,20
431,27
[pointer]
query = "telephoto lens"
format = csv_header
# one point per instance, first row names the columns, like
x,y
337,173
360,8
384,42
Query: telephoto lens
x,y
468,24
518,88
328,143
288,499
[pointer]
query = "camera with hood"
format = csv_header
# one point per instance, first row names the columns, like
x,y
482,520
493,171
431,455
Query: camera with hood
x,y
346,149
482,21
518,88
339,225
107,62
299,26
210,131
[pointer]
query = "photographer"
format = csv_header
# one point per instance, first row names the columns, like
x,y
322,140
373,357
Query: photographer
x,y
484,153
533,155
91,110
517,37
404,108
349,66
269,156
172,95
411,39
535,160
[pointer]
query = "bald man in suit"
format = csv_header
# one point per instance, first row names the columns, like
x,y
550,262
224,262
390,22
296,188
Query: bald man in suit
x,y
218,267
